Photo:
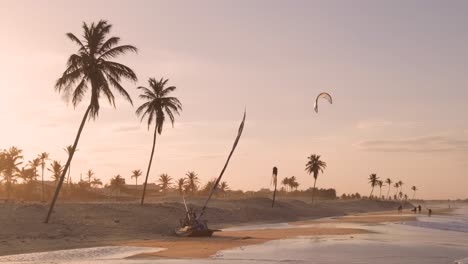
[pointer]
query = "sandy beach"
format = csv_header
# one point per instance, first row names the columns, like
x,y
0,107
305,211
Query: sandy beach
x,y
78,225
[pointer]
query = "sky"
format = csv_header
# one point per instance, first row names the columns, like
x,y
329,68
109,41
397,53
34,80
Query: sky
x,y
397,71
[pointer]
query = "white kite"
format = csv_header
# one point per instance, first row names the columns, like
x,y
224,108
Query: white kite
x,y
326,96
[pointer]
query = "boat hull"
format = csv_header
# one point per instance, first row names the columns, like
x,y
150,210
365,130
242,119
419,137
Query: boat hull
x,y
182,232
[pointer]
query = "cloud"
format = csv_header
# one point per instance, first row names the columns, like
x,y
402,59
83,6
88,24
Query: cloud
x,y
419,144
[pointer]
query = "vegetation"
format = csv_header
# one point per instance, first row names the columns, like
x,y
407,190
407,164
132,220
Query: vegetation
x,y
315,165
158,104
180,186
135,175
192,182
56,169
92,66
165,181
373,181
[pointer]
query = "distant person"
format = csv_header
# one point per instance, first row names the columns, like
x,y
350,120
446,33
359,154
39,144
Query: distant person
x,y
429,213
415,209
400,209
419,208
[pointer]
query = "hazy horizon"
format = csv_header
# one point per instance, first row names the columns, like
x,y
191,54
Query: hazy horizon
x,y
396,71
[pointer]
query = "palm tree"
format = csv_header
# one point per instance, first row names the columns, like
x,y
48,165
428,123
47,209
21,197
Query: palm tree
x,y
165,181
400,184
89,174
11,159
34,164
274,180
285,182
56,168
315,165
158,104
397,186
380,183
192,181
43,157
414,189
180,185
27,175
69,149
91,65
136,174
117,183
373,180
96,182
389,182
293,183
223,187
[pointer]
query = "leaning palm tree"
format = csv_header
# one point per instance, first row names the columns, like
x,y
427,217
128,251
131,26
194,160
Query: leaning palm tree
x,y
136,174
69,149
92,65
373,181
380,183
389,182
192,181
400,184
56,168
274,181
397,187
180,185
89,174
158,104
315,165
43,157
165,181
414,189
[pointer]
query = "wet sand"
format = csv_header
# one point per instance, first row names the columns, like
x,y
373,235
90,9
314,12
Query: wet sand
x,y
206,247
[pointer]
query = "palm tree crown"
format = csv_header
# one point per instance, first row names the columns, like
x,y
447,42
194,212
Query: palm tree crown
x,y
192,181
158,103
315,165
56,169
92,64
165,181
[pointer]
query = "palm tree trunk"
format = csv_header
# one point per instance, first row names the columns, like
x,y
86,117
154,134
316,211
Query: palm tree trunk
x,y
414,193
136,183
380,193
370,195
313,190
149,166
67,165
42,182
388,193
274,196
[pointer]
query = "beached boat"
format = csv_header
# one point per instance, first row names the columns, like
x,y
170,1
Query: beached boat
x,y
187,231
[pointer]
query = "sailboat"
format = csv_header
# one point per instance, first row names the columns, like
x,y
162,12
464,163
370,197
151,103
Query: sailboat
x,y
192,225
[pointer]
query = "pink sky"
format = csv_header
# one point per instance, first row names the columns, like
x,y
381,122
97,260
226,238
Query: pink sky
x,y
396,70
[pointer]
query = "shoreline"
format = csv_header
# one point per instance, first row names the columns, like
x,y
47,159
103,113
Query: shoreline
x,y
80,225
202,248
